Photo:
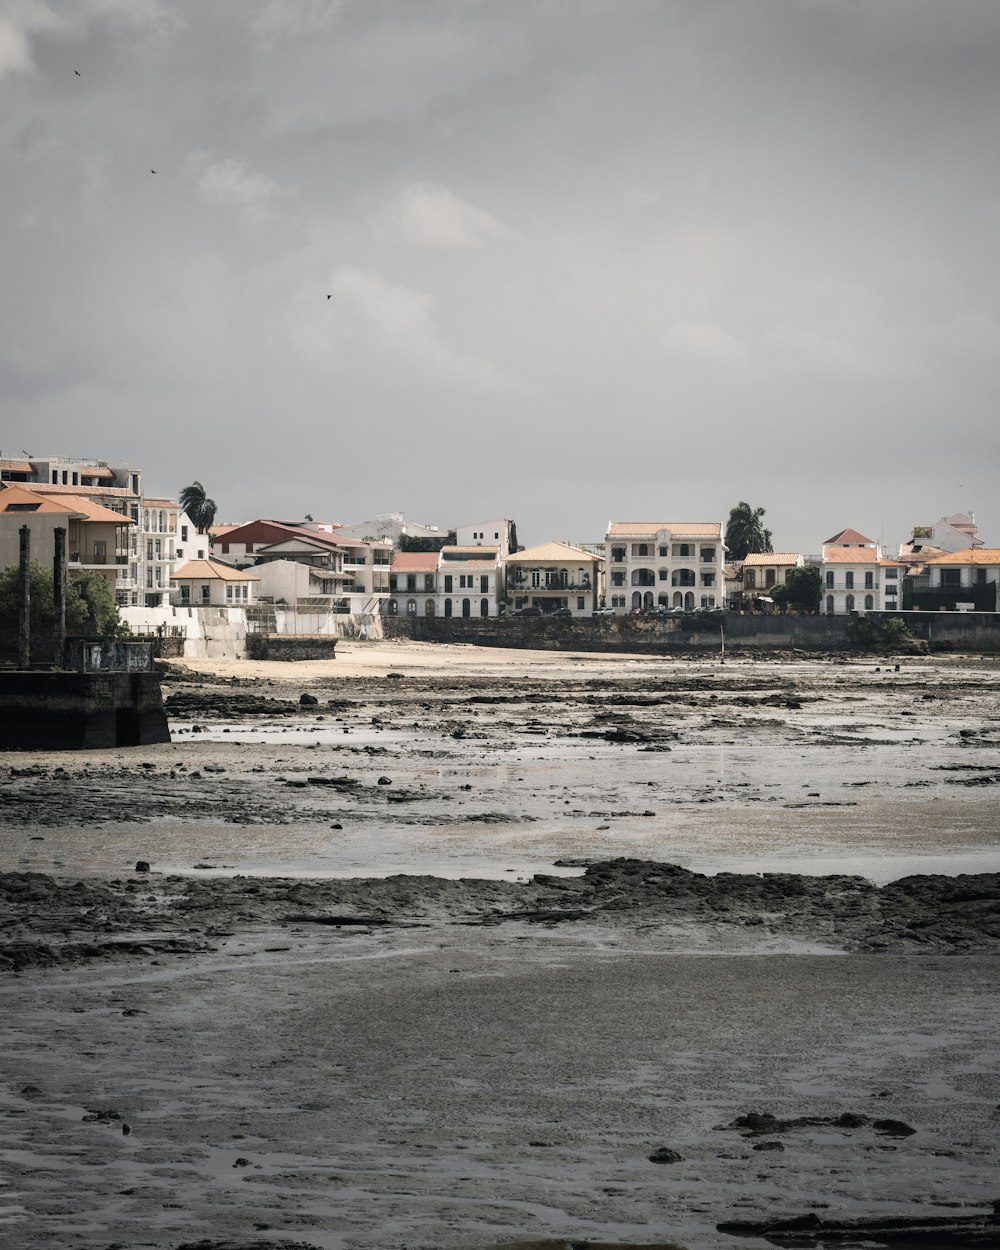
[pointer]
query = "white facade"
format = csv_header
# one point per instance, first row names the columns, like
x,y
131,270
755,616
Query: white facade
x,y
499,533
470,581
390,527
673,564
553,577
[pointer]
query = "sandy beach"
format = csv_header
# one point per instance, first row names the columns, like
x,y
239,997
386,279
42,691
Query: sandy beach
x,y
410,965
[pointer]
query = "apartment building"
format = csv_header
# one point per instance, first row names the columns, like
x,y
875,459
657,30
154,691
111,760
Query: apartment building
x,y
413,584
470,581
852,574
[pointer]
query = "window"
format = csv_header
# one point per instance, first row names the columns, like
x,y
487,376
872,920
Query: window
x,y
229,592
869,581
149,549
447,605
484,607
393,607
829,605
664,552
643,549
685,549
770,577
849,603
580,604
429,581
617,579
849,580
617,601
180,553
185,594
708,579
891,575
411,607
618,555
448,585
708,555
750,579
184,533
206,594
891,591
429,607
392,581
829,581
149,579
411,581
869,602
664,575
466,607
484,584
951,577
981,577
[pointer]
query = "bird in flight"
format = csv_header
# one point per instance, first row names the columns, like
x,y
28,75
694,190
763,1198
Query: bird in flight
x,y
152,171
329,297
78,74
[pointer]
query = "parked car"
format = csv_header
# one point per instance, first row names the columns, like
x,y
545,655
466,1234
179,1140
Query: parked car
x,y
603,612
528,612
561,612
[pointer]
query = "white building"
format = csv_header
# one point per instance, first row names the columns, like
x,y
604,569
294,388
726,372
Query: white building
x,y
470,581
960,581
212,584
852,574
500,533
674,564
391,527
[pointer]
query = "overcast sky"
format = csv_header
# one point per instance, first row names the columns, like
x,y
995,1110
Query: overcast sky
x,y
562,260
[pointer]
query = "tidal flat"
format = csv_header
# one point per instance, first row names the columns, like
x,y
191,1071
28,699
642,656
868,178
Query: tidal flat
x,y
449,947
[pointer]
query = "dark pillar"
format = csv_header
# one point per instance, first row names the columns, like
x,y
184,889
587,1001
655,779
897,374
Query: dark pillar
x,y
24,604
59,594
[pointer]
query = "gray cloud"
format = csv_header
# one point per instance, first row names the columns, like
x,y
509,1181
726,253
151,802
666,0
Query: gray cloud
x,y
585,258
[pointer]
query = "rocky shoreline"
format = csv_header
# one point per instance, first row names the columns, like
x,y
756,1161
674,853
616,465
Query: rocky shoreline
x,y
47,920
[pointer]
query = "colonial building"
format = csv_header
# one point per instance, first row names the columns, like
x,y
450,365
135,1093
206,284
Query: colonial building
x,y
851,569
413,584
470,581
675,564
553,576
212,584
764,571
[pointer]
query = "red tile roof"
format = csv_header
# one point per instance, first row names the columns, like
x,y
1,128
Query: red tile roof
x,y
849,538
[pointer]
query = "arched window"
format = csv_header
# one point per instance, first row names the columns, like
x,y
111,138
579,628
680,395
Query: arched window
x,y
447,607
466,607
411,607
637,599
393,607
429,607
849,603
647,599
664,551
484,607
829,605
869,602
663,600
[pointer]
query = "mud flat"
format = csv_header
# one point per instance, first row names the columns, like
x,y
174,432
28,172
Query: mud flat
x,y
585,1015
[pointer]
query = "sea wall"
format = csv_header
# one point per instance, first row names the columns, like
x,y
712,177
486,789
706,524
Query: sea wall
x,y
206,633
290,647
46,711
955,631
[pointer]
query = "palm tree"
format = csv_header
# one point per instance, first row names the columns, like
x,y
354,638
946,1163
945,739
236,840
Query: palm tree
x,y
198,506
745,533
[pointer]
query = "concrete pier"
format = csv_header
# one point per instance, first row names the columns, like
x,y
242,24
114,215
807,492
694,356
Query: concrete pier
x,y
46,711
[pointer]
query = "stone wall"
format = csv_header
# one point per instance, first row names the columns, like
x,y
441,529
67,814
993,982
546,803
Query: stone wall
x,y
958,631
290,647
80,711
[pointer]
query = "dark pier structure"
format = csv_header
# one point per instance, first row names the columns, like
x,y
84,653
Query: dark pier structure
x,y
98,693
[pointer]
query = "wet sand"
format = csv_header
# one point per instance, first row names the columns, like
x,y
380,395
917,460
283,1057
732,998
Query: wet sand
x,y
433,1062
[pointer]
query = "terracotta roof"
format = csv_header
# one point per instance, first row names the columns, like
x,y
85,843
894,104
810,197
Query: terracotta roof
x,y
850,555
971,555
679,529
96,470
415,562
17,466
95,511
849,536
216,531
211,568
483,550
159,503
554,550
758,558
15,493
891,564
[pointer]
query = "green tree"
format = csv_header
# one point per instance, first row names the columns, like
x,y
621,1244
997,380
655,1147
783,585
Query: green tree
x,y
198,506
412,542
90,601
802,590
745,532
